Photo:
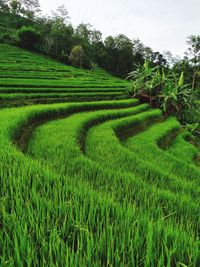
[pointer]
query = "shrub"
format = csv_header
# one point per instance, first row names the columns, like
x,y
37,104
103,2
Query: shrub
x,y
28,38
7,38
163,89
77,56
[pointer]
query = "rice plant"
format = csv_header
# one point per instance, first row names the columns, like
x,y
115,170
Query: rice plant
x,y
88,176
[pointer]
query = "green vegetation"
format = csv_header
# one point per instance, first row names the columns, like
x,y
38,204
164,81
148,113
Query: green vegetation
x,y
79,211
30,78
90,176
81,46
166,89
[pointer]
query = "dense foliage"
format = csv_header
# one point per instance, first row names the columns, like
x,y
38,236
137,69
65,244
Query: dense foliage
x,y
28,38
174,88
166,89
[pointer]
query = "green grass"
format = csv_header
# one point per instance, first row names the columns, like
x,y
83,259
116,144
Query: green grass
x,y
96,181
183,147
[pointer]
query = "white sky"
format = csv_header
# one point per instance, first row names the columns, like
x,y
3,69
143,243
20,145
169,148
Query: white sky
x,y
160,24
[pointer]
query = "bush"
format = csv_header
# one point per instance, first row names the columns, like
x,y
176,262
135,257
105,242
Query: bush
x,y
7,38
164,89
29,38
77,56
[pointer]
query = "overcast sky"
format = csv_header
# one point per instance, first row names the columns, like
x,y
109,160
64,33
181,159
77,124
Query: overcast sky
x,y
160,24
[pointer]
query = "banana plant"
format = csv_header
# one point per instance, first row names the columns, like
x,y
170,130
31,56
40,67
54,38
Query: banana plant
x,y
176,97
146,81
167,89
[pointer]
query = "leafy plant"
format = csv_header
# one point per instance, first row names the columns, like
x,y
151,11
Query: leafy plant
x,y
162,88
28,37
146,82
192,127
176,96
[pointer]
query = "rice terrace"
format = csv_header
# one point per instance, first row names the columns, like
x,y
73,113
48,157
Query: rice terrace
x,y
99,146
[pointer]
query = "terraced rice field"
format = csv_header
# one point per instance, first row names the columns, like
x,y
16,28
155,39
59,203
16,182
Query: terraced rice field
x,y
98,180
27,78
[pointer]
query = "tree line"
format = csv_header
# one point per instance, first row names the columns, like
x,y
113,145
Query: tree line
x,y
83,46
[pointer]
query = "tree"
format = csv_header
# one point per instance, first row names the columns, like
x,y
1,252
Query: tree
x,y
158,59
4,6
138,46
138,53
95,37
15,7
110,58
97,51
118,55
57,34
77,56
193,42
31,8
147,53
62,36
61,14
83,36
84,32
194,54
28,38
124,47
25,8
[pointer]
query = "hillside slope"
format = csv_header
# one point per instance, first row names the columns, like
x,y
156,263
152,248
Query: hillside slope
x,y
100,180
31,76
